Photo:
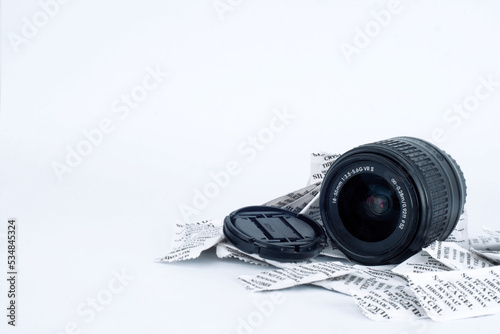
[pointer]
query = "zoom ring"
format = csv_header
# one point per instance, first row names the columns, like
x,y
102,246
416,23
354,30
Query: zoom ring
x,y
435,183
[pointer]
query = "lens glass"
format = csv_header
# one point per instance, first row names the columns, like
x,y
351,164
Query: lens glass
x,y
369,207
378,204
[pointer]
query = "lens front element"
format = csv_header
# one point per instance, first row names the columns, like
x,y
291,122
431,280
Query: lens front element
x,y
378,204
369,208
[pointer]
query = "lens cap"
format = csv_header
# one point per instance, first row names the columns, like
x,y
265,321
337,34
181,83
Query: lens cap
x,y
274,234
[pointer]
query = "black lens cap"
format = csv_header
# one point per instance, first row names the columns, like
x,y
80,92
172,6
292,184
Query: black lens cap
x,y
274,234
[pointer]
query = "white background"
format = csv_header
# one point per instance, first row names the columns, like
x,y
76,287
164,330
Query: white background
x,y
228,71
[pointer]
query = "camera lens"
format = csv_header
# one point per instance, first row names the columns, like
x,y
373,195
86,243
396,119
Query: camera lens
x,y
382,202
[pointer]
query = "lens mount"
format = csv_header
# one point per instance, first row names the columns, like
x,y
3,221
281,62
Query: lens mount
x,y
382,202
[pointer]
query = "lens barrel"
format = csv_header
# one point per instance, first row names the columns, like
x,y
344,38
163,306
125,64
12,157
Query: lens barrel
x,y
382,202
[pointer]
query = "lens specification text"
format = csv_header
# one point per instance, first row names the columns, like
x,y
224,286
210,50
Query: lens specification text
x,y
357,170
11,271
404,206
